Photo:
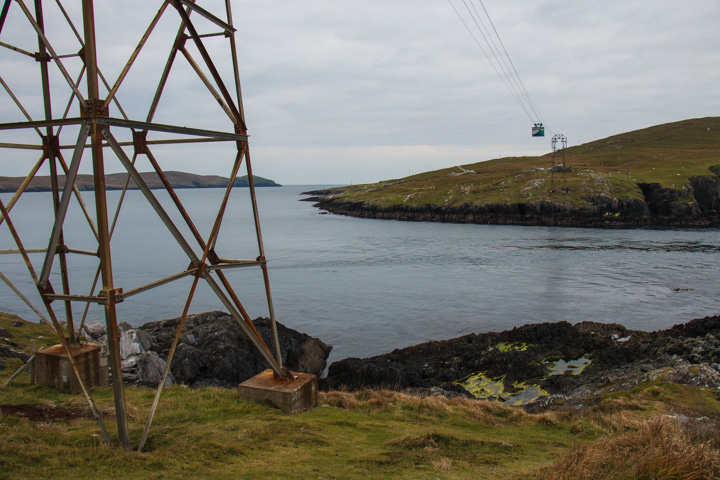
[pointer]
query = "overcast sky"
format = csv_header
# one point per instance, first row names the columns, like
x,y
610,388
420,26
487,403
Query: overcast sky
x,y
342,91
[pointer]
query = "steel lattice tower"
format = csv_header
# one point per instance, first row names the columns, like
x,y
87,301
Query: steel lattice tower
x,y
99,129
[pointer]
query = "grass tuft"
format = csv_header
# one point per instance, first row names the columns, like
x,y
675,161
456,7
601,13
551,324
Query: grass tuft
x,y
659,448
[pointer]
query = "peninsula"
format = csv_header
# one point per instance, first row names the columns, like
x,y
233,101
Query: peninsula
x,y
116,181
662,176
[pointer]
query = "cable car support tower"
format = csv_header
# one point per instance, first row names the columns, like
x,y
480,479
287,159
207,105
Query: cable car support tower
x,y
559,145
99,129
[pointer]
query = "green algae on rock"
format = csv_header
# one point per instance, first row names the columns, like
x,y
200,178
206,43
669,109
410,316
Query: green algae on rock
x,y
483,387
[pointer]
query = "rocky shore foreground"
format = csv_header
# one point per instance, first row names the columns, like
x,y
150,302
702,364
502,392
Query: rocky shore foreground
x,y
542,364
535,365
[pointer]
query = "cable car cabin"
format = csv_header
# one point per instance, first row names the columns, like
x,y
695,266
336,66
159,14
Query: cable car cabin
x,y
538,130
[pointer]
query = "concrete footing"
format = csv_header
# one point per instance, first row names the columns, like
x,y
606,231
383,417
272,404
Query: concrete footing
x,y
289,395
53,367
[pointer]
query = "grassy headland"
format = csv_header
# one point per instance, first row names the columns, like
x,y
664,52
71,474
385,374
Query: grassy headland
x,y
620,167
116,181
655,430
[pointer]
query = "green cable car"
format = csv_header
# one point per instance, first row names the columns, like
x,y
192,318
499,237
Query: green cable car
x,y
538,130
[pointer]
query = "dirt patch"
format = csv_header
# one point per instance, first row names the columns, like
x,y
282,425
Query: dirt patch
x,y
44,412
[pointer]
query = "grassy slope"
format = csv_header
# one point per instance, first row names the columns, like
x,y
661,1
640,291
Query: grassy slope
x,y
210,433
667,154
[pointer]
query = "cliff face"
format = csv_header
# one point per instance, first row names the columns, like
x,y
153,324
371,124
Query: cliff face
x,y
706,190
693,206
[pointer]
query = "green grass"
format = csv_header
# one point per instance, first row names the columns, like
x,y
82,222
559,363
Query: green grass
x,y
372,434
666,154
211,433
43,335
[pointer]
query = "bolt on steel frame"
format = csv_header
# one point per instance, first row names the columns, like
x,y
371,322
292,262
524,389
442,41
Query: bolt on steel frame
x,y
96,133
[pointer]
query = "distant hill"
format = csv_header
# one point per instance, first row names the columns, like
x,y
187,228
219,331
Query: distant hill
x,y
666,175
116,181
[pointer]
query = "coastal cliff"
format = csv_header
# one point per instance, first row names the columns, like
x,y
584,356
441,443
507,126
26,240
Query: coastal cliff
x,y
659,207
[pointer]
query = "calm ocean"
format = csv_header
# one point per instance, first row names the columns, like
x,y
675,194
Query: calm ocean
x,y
370,286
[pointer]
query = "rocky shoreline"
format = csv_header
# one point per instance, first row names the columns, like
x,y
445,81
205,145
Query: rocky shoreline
x,y
520,366
693,206
534,365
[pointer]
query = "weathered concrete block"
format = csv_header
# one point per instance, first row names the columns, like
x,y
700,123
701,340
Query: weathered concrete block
x,y
53,368
290,396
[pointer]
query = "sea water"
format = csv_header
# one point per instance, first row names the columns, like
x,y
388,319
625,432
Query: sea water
x,y
370,286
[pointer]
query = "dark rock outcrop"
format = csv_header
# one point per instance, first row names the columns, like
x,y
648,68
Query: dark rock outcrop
x,y
617,355
8,352
213,351
706,190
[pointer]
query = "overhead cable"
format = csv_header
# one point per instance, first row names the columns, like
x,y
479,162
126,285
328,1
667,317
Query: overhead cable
x,y
517,75
498,57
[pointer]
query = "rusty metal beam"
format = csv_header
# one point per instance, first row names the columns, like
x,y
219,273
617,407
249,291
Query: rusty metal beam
x,y
112,230
119,122
62,208
23,186
50,142
206,81
239,123
20,107
50,49
236,70
17,49
229,30
140,182
21,146
75,298
72,97
170,129
3,13
79,197
123,144
224,263
43,123
179,38
136,52
82,45
168,362
102,218
44,250
261,248
25,299
17,102
56,325
158,283
17,372
28,250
